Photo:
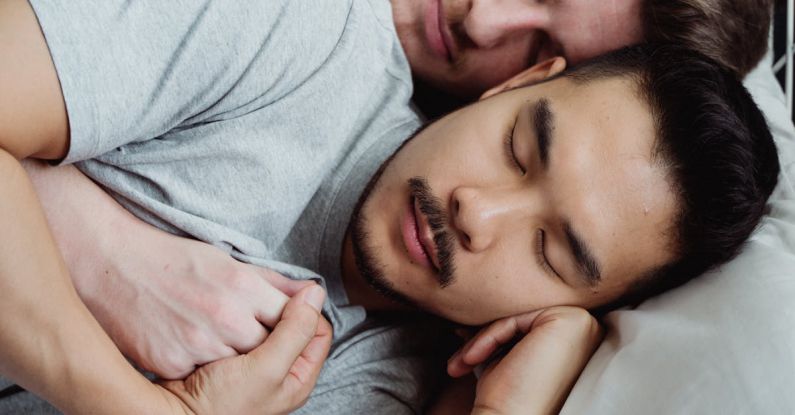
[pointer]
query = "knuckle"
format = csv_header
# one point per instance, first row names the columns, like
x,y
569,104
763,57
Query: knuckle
x,y
208,305
227,320
195,339
580,314
579,320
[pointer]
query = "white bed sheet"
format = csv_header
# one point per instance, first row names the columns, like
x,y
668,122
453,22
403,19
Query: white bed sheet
x,y
725,342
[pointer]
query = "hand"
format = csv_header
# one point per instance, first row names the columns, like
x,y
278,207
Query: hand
x,y
538,372
184,303
274,378
169,303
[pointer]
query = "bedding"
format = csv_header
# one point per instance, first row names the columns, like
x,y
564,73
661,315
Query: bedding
x,y
723,343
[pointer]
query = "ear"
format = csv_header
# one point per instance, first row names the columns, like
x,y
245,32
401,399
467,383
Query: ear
x,y
529,76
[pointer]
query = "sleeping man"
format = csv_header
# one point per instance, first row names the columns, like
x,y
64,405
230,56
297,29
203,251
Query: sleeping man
x,y
601,186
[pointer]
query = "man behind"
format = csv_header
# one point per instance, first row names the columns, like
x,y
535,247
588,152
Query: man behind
x,y
462,313
462,48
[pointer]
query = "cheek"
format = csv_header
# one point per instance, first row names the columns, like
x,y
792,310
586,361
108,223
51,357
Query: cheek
x,y
501,282
449,159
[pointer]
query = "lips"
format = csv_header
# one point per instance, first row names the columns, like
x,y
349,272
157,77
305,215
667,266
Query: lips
x,y
436,31
426,236
418,237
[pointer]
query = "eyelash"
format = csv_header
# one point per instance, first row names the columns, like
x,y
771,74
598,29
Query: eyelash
x,y
540,257
508,144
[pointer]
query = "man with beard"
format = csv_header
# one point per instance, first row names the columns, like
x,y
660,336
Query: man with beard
x,y
167,196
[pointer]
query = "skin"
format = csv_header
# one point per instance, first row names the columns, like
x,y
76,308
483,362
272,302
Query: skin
x,y
601,176
59,351
92,376
492,40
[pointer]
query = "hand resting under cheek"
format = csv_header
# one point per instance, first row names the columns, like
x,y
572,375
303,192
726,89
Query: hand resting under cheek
x,y
169,303
538,371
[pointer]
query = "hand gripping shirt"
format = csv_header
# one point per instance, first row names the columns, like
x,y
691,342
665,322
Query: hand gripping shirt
x,y
253,126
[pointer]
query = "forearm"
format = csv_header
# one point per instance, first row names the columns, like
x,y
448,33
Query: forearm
x,y
88,226
49,342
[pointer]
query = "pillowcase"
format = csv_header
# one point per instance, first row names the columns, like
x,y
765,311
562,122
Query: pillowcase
x,y
724,343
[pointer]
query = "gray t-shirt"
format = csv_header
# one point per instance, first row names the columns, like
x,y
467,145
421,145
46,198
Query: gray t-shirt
x,y
253,126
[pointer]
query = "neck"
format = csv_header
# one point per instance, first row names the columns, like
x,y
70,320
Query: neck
x,y
358,290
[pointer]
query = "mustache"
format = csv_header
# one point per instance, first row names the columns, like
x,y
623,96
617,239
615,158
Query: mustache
x,y
431,207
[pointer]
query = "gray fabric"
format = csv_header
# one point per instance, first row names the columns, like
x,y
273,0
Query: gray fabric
x,y
253,126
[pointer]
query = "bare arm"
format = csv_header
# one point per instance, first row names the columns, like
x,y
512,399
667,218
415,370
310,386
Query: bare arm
x,y
57,349
169,303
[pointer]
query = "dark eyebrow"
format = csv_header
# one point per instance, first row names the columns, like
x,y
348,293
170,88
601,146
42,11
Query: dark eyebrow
x,y
588,266
542,122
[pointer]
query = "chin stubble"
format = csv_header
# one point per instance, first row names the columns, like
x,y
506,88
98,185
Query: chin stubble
x,y
367,263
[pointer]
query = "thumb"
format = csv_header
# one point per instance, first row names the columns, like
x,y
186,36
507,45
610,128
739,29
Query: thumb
x,y
291,335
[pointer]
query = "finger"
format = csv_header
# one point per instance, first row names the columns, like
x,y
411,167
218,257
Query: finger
x,y
456,366
479,348
217,353
286,285
496,335
489,340
306,369
171,372
269,303
465,333
247,336
291,335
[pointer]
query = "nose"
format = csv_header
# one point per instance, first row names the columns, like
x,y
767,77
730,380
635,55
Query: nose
x,y
491,22
482,215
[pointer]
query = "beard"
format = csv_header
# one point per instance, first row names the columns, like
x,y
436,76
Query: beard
x,y
370,268
364,251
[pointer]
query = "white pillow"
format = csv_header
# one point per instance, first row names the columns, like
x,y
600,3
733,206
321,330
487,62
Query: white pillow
x,y
723,343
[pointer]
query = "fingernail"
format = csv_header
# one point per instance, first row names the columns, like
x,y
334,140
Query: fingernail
x,y
315,297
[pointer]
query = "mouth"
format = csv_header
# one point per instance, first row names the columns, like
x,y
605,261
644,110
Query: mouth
x,y
418,237
436,30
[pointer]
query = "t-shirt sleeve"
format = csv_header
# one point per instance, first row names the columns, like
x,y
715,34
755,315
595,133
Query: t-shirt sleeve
x,y
132,71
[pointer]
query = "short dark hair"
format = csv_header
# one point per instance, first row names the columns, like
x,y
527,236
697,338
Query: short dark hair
x,y
732,32
717,149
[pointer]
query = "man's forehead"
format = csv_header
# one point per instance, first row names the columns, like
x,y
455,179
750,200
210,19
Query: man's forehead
x,y
598,99
605,177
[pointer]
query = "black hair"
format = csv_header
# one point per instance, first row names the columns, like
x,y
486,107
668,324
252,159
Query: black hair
x,y
715,145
